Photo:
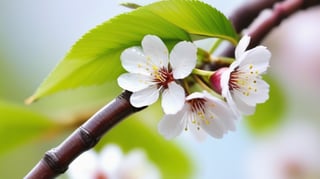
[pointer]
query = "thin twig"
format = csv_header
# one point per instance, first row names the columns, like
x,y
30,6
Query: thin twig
x,y
248,13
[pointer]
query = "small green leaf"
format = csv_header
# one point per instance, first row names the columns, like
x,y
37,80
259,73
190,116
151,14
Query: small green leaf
x,y
130,5
167,156
95,58
270,114
18,125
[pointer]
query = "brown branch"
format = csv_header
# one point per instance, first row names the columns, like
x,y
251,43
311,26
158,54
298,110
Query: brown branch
x,y
248,12
243,16
56,160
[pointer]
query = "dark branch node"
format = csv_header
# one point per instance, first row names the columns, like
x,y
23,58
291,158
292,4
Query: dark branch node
x,y
88,140
52,160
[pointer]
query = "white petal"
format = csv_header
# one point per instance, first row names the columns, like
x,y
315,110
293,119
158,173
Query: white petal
x,y
243,107
85,166
145,97
195,95
224,82
111,158
231,103
172,125
225,115
134,82
242,46
155,50
235,64
259,57
198,134
183,58
259,96
173,98
262,93
136,166
221,118
213,128
134,61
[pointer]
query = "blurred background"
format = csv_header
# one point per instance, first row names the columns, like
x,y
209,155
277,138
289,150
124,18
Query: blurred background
x,y
281,141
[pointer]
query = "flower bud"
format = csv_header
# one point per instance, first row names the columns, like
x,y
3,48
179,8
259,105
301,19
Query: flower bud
x,y
215,80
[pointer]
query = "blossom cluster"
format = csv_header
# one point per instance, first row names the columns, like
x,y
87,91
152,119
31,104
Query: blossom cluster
x,y
112,163
235,90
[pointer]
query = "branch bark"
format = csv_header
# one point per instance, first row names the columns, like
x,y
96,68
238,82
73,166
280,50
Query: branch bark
x,y
246,14
57,160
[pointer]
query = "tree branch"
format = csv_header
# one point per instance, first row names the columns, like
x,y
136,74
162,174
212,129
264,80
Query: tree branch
x,y
56,160
244,15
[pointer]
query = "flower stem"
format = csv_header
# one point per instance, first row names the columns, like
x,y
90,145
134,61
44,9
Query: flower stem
x,y
203,55
202,72
205,86
224,60
215,46
186,86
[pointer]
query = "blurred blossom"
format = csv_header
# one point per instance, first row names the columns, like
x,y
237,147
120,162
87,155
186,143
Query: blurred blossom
x,y
293,153
111,163
296,60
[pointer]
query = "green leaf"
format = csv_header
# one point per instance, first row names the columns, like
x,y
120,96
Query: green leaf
x,y
94,59
270,114
18,125
196,18
167,156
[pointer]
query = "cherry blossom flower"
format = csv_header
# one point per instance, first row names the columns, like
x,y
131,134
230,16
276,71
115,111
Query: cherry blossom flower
x,y
201,111
241,84
111,163
152,70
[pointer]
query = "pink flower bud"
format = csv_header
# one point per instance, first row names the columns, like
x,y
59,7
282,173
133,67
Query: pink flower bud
x,y
215,80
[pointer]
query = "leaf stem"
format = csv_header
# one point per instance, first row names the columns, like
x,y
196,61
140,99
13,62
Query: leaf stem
x,y
216,44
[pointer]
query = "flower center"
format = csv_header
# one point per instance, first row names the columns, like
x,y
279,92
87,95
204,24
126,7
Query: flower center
x,y
197,105
198,112
244,80
163,76
234,80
